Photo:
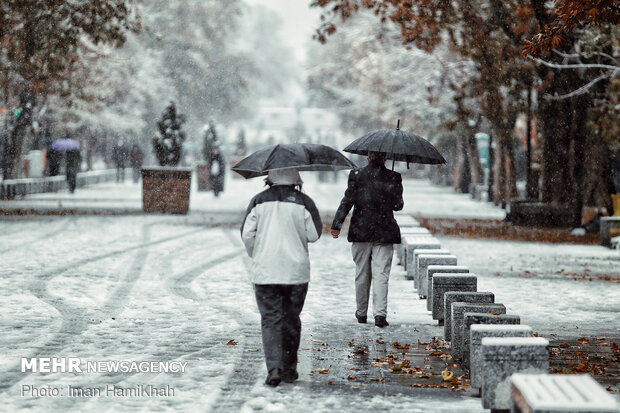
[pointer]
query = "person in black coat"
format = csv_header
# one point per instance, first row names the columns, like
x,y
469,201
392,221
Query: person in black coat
x,y
74,159
374,193
216,171
54,159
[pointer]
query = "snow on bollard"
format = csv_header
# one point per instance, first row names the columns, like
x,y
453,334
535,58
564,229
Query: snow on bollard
x,y
470,319
458,311
556,393
404,220
442,283
419,252
480,331
410,244
415,231
432,270
504,356
409,232
426,260
464,297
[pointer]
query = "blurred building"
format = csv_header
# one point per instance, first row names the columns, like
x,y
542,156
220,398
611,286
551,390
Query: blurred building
x,y
295,124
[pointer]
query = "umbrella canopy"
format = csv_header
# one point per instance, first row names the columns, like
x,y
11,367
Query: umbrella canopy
x,y
398,145
299,156
65,145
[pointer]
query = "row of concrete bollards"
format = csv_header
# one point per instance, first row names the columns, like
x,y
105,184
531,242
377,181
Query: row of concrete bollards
x,y
496,349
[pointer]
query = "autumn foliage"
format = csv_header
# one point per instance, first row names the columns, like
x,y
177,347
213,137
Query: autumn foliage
x,y
569,14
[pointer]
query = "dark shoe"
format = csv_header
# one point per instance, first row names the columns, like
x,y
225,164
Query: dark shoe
x,y
361,318
273,381
380,321
289,376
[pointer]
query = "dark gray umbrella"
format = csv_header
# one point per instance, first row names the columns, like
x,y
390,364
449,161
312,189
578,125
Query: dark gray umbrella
x,y
398,145
299,156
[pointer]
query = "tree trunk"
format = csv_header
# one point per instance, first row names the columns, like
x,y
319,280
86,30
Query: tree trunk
x,y
13,148
492,145
598,184
462,177
504,179
567,146
555,117
475,170
580,105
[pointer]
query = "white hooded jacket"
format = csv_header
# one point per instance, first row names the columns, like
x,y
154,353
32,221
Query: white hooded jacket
x,y
278,225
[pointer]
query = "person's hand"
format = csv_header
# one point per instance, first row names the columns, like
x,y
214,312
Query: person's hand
x,y
335,233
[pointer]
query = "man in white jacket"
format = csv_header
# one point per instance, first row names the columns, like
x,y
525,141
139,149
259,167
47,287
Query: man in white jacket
x,y
279,224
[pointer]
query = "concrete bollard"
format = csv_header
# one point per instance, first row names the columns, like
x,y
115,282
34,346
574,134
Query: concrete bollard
x,y
504,356
480,331
458,311
405,220
409,232
419,252
470,319
432,270
413,243
451,297
559,393
426,260
413,231
442,283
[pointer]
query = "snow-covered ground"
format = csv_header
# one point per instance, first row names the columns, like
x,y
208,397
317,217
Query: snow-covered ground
x,y
165,288
421,198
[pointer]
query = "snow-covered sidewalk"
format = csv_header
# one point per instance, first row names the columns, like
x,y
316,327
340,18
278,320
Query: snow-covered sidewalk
x,y
421,199
175,288
160,288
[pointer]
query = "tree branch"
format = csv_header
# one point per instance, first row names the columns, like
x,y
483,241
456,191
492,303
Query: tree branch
x,y
575,66
579,91
585,55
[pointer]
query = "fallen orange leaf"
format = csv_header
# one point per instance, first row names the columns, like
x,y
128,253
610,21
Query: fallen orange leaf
x,y
447,375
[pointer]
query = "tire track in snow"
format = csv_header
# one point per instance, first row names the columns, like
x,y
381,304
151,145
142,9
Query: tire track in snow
x,y
180,284
250,352
46,236
176,350
122,291
74,321
235,392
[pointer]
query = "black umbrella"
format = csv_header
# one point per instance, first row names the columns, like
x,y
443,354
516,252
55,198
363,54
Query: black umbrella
x,y
398,145
299,156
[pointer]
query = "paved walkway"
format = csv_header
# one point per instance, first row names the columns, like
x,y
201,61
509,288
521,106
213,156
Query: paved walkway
x,y
155,288
175,288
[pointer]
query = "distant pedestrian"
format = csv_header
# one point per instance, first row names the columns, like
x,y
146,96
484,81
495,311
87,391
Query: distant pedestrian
x,y
73,162
54,159
216,170
615,168
136,158
279,224
374,192
119,157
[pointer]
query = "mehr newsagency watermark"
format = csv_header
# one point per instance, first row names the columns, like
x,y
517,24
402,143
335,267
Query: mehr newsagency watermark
x,y
75,365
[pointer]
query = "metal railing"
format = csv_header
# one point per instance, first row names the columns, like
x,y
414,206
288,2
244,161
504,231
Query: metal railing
x,y
13,188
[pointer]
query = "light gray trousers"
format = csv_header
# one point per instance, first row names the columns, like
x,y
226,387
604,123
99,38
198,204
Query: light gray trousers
x,y
373,263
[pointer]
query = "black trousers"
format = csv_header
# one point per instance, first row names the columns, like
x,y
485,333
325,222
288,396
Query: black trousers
x,y
72,181
279,306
